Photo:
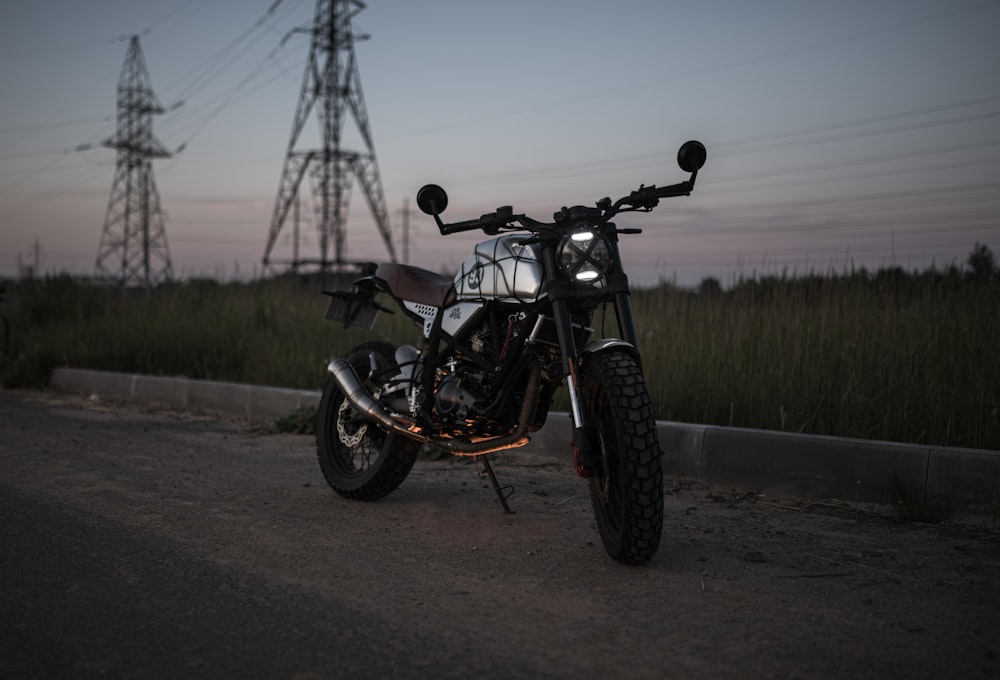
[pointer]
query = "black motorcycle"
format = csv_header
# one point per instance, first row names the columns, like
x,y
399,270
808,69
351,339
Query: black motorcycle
x,y
497,341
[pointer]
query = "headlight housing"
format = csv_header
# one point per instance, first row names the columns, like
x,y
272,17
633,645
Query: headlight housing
x,y
584,257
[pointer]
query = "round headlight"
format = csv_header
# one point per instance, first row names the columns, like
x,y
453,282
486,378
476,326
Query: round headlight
x,y
584,256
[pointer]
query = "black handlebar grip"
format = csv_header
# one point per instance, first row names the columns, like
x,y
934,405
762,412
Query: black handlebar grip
x,y
680,189
456,227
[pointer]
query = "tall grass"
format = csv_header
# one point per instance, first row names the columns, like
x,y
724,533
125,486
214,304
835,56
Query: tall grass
x,y
887,356
893,357
268,332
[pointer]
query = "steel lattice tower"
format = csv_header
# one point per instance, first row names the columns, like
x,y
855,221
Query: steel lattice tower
x,y
331,85
133,246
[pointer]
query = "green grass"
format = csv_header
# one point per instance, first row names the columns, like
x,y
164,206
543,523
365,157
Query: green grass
x,y
899,359
891,356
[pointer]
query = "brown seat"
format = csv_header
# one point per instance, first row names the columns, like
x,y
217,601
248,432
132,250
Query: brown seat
x,y
416,284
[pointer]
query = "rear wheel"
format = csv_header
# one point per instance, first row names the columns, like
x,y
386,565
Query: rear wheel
x,y
626,487
359,459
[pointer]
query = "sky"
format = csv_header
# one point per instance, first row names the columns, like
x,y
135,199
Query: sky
x,y
857,133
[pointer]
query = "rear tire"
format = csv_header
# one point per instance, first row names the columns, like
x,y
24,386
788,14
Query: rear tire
x,y
359,459
626,487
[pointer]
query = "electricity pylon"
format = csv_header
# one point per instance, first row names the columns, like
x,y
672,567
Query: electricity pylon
x,y
332,86
133,246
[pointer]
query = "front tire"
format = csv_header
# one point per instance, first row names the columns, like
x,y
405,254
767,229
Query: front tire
x,y
626,487
359,459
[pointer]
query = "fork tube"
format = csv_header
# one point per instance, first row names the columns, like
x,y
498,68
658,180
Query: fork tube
x,y
618,282
564,331
626,321
567,347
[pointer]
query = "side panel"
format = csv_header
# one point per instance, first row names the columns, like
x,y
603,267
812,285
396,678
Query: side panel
x,y
425,312
456,316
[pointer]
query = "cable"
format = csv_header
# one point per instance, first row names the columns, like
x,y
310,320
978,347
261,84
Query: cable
x,y
861,121
736,63
863,133
233,96
217,64
871,160
724,149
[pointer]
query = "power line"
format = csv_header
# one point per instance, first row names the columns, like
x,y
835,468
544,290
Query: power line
x,y
868,120
784,141
740,61
871,160
52,125
213,67
860,134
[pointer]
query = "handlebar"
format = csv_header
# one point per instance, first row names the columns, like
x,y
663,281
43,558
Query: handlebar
x,y
490,223
643,198
455,227
432,200
648,197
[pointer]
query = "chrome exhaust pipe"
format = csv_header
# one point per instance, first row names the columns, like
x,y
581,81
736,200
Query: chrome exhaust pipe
x,y
350,384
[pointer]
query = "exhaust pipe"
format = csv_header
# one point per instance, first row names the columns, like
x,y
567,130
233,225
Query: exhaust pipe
x,y
349,383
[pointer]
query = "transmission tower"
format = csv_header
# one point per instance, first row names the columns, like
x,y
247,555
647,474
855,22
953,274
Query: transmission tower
x,y
133,246
332,86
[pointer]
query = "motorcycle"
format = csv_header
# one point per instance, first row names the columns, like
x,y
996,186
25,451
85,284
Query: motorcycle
x,y
497,341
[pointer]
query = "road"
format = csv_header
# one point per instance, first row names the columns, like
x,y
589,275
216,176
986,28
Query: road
x,y
153,544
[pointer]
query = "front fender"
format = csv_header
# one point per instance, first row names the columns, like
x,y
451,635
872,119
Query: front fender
x,y
605,344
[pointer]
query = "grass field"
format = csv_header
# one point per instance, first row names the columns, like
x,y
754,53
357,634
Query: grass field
x,y
889,355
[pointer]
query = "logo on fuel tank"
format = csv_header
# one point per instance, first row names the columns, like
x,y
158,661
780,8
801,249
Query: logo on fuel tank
x,y
475,277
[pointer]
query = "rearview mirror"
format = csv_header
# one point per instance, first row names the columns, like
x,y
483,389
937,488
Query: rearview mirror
x,y
432,199
691,156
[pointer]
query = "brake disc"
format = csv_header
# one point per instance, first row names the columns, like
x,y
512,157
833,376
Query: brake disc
x,y
349,440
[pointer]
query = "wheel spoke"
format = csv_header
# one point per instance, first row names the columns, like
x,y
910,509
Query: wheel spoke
x,y
358,459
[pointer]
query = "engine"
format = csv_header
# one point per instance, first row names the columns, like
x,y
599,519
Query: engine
x,y
459,387
464,386
457,393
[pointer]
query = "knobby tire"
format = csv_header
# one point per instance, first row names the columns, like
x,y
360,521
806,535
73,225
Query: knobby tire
x,y
377,464
626,487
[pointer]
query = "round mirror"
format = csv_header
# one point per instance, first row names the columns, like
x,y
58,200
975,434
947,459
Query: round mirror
x,y
432,199
691,156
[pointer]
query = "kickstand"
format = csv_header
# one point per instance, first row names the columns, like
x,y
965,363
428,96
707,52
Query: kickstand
x,y
496,486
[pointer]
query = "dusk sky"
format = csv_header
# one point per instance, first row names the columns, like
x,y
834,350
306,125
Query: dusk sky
x,y
840,134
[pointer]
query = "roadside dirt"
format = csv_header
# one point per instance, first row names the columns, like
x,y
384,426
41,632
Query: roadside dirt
x,y
743,583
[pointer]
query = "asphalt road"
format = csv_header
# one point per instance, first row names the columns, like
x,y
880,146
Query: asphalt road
x,y
160,545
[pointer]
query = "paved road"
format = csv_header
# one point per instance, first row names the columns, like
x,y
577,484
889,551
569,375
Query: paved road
x,y
159,545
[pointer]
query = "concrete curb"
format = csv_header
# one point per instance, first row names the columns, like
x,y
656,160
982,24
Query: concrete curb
x,y
922,481
232,399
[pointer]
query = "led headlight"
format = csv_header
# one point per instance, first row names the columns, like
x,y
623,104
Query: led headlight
x,y
584,256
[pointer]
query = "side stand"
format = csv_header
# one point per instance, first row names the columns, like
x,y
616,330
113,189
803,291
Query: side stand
x,y
496,486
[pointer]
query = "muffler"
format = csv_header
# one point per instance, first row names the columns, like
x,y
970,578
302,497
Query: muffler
x,y
350,384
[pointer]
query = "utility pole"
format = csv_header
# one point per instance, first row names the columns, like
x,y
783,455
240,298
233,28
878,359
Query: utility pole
x,y
133,247
405,213
332,86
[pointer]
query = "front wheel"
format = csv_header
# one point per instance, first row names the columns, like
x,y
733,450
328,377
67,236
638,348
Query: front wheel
x,y
626,487
359,459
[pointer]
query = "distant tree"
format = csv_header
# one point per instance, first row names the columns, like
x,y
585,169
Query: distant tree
x,y
709,287
982,263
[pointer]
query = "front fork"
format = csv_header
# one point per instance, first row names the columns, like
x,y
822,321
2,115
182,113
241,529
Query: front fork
x,y
584,456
